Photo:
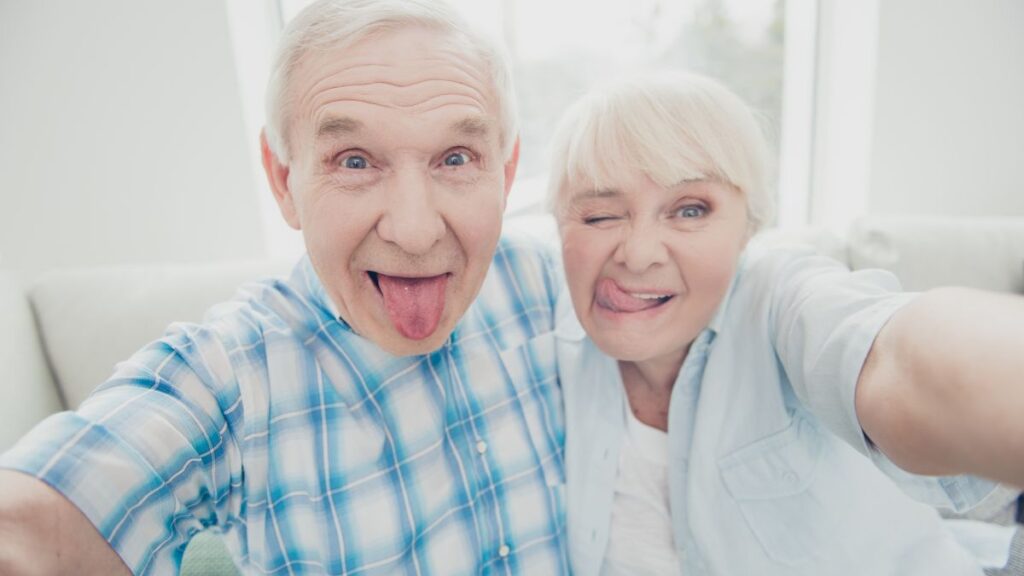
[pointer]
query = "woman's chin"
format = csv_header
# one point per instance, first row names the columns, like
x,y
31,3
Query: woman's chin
x,y
624,349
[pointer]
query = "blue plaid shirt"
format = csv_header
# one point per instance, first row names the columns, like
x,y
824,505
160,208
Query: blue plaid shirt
x,y
314,451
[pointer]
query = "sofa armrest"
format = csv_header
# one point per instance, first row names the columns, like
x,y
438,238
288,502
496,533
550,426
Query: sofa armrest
x,y
27,389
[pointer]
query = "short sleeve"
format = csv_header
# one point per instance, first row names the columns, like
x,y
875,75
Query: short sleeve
x,y
824,320
149,457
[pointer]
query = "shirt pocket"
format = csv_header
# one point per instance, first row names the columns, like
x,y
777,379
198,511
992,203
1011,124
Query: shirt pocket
x,y
772,482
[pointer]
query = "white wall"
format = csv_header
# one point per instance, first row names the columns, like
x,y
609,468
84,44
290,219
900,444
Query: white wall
x,y
121,135
948,134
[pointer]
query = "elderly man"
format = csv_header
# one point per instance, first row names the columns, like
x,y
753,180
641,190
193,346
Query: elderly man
x,y
390,408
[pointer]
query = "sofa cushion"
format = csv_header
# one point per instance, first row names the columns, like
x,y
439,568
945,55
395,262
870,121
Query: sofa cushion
x,y
91,319
26,386
925,252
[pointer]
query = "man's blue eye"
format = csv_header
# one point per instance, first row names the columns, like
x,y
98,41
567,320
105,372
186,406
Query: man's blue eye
x,y
691,211
456,159
355,162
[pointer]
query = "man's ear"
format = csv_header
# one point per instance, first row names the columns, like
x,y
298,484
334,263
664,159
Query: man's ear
x,y
510,167
277,176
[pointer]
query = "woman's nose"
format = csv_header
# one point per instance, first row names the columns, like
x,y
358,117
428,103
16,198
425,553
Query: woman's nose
x,y
641,247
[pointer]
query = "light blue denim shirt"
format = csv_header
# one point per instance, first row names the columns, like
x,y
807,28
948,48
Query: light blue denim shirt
x,y
770,472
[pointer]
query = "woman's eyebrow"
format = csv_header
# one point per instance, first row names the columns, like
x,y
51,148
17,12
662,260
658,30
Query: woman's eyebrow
x,y
596,193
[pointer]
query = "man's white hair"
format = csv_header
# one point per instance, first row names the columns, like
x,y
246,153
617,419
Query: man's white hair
x,y
671,127
338,24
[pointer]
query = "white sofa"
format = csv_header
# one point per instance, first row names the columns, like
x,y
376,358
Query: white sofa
x,y
61,335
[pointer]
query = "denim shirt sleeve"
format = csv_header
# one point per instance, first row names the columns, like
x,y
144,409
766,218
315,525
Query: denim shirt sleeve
x,y
824,320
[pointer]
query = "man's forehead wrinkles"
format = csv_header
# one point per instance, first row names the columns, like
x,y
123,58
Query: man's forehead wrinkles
x,y
320,113
437,101
412,102
423,105
406,74
408,83
448,83
469,66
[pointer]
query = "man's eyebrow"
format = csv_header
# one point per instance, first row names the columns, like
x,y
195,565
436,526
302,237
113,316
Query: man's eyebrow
x,y
338,126
472,126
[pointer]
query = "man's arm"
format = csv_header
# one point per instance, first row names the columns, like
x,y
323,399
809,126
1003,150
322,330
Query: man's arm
x,y
942,389
42,533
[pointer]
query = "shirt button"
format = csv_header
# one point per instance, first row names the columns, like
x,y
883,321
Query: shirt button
x,y
481,447
503,551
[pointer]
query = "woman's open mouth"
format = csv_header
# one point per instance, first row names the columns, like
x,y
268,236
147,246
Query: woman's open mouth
x,y
611,296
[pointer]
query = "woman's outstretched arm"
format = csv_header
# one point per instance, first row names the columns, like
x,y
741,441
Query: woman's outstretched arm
x,y
942,389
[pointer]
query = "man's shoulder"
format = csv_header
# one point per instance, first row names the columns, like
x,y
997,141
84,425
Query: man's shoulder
x,y
270,309
517,299
527,244
525,264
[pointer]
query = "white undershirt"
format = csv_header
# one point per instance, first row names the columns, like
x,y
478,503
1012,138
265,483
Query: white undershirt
x,y
640,539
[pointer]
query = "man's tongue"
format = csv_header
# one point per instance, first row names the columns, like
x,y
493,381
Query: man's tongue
x,y
414,304
610,296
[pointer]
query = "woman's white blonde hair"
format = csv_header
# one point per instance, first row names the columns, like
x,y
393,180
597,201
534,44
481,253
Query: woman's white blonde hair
x,y
672,127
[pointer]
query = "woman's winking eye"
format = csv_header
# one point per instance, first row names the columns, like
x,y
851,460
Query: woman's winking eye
x,y
597,219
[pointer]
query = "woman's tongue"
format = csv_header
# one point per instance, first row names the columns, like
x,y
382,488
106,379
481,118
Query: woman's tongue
x,y
414,305
610,296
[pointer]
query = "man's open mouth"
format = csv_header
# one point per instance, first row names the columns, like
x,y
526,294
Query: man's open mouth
x,y
414,304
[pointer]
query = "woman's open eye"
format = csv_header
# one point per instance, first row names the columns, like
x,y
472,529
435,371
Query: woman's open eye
x,y
355,162
691,211
457,159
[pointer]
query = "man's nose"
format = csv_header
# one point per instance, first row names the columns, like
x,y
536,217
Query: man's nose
x,y
641,247
411,218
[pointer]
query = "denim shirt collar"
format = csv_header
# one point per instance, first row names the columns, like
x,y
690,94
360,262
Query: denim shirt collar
x,y
306,281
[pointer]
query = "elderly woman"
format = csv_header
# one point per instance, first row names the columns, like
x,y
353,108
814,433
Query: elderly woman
x,y
719,401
